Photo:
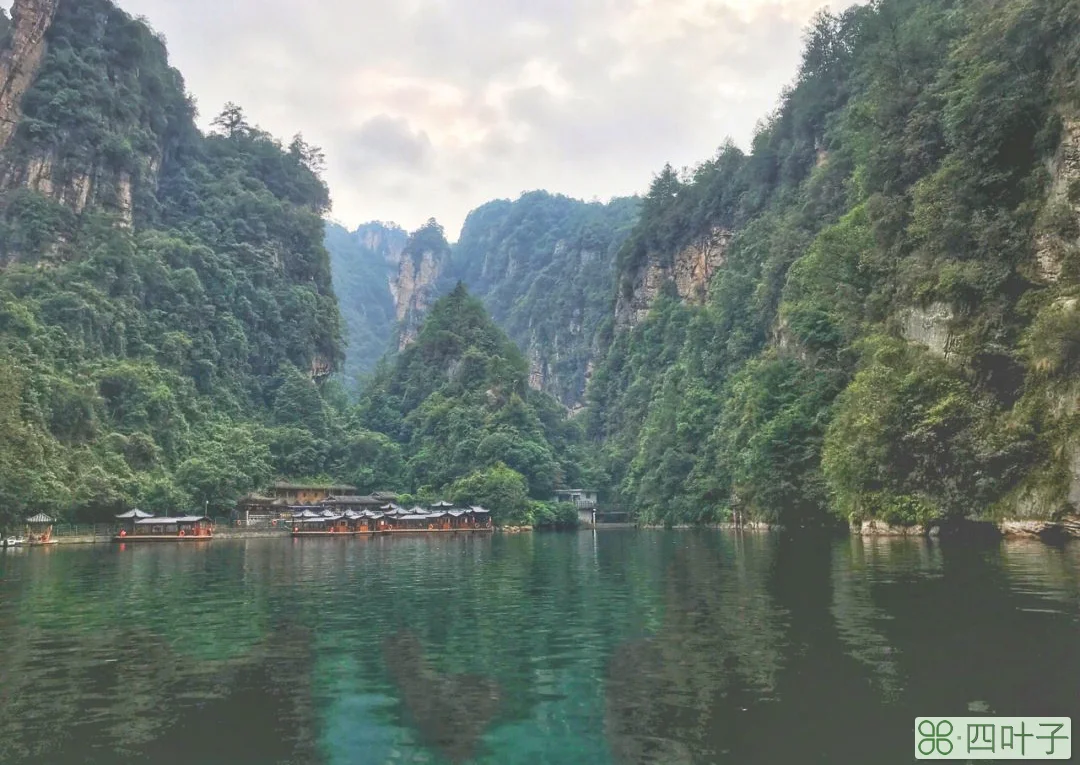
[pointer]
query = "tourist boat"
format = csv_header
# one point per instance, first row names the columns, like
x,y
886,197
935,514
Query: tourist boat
x,y
440,518
13,542
138,526
39,530
309,522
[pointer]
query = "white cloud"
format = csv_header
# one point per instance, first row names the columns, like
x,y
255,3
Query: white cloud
x,y
433,107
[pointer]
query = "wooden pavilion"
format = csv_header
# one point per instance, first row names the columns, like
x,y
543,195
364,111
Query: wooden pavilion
x,y
39,530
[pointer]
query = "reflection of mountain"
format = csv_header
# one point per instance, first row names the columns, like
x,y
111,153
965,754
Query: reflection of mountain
x,y
133,653
451,712
677,696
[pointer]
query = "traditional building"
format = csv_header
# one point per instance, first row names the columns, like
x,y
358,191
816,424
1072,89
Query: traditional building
x,y
285,493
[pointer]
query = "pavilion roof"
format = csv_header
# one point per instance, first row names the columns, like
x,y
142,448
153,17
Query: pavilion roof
x,y
313,486
353,499
135,513
40,518
442,503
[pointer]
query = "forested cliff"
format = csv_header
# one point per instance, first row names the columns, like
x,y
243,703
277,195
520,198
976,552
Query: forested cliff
x,y
169,334
891,325
543,265
160,289
874,313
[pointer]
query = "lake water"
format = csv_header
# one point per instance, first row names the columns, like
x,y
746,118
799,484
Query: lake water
x,y
612,647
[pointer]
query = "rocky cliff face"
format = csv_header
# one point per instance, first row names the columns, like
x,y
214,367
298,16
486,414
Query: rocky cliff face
x,y
414,289
1059,229
418,280
102,150
20,59
690,270
930,326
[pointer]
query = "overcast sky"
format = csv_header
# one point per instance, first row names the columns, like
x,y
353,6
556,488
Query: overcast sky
x,y
433,107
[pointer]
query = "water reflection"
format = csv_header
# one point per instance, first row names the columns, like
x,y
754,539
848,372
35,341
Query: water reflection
x,y
451,711
676,696
609,647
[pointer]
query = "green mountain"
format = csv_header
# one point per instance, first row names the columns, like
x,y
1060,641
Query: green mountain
x,y
364,264
166,311
543,265
889,325
457,402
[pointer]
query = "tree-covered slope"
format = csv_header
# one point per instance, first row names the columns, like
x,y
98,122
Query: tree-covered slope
x,y
457,403
364,264
893,330
544,266
165,298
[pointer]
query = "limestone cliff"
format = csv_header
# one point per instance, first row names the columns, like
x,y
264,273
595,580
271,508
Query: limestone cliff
x,y
1058,232
690,270
20,59
930,326
417,282
414,290
73,127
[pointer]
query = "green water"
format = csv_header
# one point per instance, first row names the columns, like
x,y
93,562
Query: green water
x,y
613,647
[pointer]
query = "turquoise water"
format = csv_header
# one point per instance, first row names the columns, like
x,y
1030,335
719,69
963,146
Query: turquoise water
x,y
610,647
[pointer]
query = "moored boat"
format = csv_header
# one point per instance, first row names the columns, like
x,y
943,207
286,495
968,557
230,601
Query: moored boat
x,y
138,526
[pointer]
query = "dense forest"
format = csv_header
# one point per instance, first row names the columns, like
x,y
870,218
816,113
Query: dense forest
x,y
456,404
894,332
165,298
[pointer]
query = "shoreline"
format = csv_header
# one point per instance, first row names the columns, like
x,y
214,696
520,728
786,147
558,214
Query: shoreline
x,y
1050,532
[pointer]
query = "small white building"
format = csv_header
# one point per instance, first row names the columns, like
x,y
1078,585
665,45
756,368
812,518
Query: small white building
x,y
583,498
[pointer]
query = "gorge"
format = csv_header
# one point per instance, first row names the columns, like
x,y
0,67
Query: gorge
x,y
868,317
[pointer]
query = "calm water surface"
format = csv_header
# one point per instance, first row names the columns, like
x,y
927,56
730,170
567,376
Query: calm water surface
x,y
618,647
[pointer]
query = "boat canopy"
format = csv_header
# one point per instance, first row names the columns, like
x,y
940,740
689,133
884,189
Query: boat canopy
x,y
40,518
443,503
478,510
416,517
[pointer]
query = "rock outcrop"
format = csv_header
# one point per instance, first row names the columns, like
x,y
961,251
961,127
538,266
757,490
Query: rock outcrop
x,y
20,58
690,270
1060,224
930,326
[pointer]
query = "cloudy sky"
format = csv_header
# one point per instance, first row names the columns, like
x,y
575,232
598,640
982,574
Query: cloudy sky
x,y
432,107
